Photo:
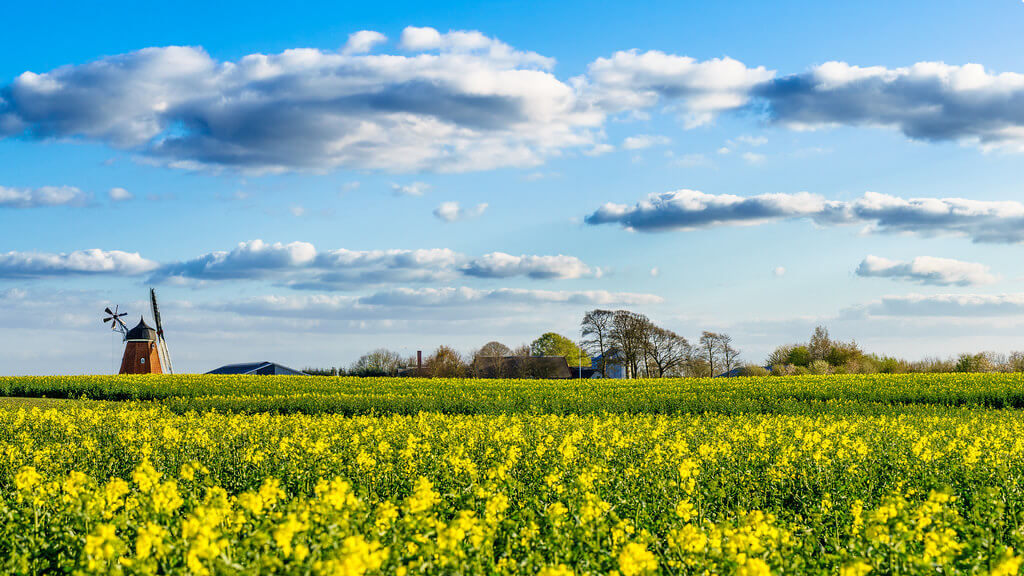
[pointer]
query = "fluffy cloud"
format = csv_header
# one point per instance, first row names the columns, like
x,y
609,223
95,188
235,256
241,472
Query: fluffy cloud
x,y
43,196
299,265
980,220
501,265
634,80
472,103
247,260
447,304
641,141
363,41
692,209
948,305
119,195
456,296
453,212
929,101
79,262
412,189
927,270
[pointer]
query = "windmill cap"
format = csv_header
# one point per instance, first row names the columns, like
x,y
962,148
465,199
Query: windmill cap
x,y
141,332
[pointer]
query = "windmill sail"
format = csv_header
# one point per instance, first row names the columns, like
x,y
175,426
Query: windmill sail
x,y
160,331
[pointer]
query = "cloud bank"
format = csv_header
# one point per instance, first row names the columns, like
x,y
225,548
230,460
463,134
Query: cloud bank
x,y
42,196
460,101
300,265
981,221
80,262
927,270
464,101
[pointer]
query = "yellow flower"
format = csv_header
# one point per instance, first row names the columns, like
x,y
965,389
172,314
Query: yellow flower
x,y
754,567
636,559
1008,564
150,540
684,510
27,478
145,476
858,568
102,545
559,570
285,531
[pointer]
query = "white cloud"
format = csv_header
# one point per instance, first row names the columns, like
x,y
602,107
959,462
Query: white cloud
x,y
299,265
752,140
753,158
411,189
453,212
700,90
930,101
473,103
501,265
363,41
297,210
119,195
779,271
641,141
655,272
42,196
79,262
692,160
948,305
599,150
980,220
927,270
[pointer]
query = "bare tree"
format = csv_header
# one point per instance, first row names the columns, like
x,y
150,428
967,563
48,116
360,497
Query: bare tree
x,y
730,356
820,344
666,351
629,334
597,335
380,362
709,348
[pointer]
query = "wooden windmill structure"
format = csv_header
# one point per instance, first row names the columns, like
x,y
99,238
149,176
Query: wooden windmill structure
x,y
145,350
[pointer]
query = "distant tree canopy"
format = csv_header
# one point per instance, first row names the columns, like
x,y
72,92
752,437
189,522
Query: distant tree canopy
x,y
380,362
552,344
493,349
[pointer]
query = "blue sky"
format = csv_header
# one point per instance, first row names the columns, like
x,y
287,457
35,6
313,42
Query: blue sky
x,y
298,190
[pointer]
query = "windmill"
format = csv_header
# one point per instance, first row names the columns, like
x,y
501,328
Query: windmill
x,y
145,350
161,341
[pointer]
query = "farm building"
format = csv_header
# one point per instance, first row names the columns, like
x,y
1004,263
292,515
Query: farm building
x,y
259,368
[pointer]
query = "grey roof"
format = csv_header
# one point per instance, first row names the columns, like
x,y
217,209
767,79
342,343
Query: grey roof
x,y
260,368
141,332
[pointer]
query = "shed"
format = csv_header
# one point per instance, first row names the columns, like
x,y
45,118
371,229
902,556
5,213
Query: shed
x,y
260,368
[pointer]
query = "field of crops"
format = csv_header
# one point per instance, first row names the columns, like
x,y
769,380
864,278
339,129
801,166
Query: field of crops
x,y
815,475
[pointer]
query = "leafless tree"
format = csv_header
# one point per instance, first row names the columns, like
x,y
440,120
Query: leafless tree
x,y
666,351
709,348
597,335
730,356
380,362
629,334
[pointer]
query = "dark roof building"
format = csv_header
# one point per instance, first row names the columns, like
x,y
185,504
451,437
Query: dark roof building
x,y
522,367
260,368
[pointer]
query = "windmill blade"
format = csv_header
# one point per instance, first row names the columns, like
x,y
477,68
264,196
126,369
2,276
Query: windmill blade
x,y
160,330
105,320
108,311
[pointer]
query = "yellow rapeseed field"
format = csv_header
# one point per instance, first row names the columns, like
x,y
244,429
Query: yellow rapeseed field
x,y
833,475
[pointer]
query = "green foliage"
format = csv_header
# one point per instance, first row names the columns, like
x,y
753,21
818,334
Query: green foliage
x,y
551,344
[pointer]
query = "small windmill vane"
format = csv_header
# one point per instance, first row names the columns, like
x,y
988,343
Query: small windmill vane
x,y
116,324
